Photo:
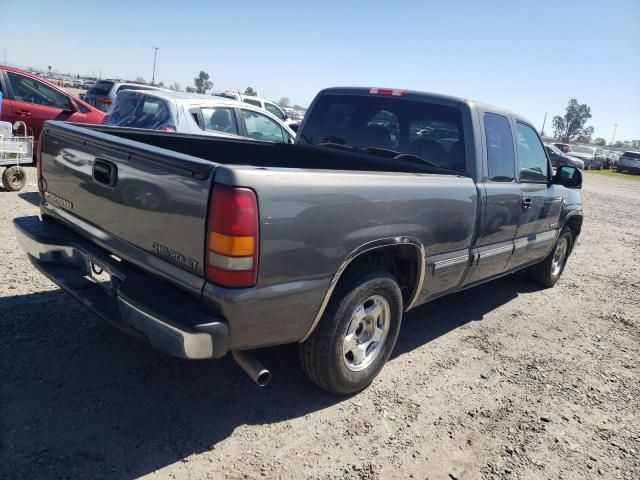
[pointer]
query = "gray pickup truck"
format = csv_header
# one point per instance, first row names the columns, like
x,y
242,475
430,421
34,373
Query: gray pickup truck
x,y
389,199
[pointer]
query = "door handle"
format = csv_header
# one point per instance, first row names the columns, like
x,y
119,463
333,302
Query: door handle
x,y
105,173
526,203
23,113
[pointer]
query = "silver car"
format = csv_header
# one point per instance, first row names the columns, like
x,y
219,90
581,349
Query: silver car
x,y
103,93
196,114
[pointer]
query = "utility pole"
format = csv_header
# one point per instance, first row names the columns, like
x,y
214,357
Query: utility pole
x,y
543,122
615,126
153,76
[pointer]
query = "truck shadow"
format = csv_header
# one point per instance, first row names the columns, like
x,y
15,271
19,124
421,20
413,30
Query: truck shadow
x,y
79,396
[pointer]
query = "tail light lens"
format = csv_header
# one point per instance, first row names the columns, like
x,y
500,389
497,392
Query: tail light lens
x,y
233,237
105,101
167,128
388,92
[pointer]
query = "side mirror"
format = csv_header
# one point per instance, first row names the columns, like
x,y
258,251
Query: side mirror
x,y
569,177
73,107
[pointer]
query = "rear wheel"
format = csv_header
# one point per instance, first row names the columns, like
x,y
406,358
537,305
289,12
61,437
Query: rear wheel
x,y
14,178
356,334
548,272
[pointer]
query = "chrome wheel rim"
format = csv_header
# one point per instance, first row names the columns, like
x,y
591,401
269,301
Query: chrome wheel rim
x,y
16,179
559,256
366,333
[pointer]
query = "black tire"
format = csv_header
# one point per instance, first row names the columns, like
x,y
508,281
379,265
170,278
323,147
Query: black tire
x,y
14,179
322,357
546,273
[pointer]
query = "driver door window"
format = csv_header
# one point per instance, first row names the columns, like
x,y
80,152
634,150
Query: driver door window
x,y
261,127
531,157
29,90
273,110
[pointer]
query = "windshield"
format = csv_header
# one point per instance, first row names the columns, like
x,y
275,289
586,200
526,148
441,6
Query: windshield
x,y
401,129
580,149
137,110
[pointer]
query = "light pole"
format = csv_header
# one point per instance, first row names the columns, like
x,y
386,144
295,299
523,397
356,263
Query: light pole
x,y
153,76
615,126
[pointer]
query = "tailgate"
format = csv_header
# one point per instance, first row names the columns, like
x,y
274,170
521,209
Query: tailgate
x,y
148,199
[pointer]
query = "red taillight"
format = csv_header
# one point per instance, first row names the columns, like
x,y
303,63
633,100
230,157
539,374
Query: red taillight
x,y
167,128
391,92
105,101
233,237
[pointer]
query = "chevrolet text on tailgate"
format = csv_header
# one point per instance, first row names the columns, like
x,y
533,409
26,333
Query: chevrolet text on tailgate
x,y
202,246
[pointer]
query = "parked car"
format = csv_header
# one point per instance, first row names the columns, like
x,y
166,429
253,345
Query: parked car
x,y
271,107
103,93
325,243
559,158
196,114
564,147
29,98
629,162
593,157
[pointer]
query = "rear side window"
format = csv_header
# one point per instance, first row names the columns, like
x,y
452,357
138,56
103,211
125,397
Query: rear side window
x,y
403,130
136,110
531,157
220,120
501,160
634,155
100,88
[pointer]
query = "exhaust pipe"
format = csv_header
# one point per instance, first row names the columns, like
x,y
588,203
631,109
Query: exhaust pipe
x,y
253,367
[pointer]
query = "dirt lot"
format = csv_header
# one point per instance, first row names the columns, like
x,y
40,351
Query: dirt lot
x,y
501,381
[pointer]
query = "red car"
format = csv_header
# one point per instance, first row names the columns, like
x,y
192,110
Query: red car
x,y
31,99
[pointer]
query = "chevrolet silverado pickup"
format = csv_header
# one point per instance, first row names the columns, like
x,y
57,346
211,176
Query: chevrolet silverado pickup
x,y
389,199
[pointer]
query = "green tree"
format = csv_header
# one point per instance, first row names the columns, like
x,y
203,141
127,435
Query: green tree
x,y
202,82
140,80
190,90
161,84
250,91
635,144
618,144
600,141
175,86
284,102
570,127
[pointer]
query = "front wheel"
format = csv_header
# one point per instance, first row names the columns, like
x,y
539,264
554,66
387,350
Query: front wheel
x,y
547,272
356,334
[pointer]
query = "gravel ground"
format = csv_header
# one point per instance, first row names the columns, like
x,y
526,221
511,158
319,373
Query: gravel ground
x,y
501,381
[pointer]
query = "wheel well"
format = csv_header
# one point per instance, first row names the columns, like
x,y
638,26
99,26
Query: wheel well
x,y
575,224
401,261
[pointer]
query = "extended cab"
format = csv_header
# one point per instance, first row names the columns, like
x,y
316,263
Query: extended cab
x,y
389,199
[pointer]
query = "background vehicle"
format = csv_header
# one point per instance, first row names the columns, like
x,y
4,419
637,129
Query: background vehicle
x,y
629,162
564,147
271,107
559,158
325,243
33,100
196,114
103,93
611,158
593,157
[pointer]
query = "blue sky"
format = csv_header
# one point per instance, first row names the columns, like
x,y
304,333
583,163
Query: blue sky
x,y
529,57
